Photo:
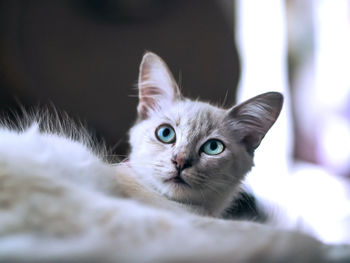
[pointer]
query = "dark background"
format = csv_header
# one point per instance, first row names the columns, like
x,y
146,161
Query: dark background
x,y
83,56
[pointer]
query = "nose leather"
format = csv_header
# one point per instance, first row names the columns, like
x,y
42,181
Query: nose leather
x,y
181,162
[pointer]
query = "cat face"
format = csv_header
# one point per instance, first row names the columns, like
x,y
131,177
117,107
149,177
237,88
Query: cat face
x,y
190,151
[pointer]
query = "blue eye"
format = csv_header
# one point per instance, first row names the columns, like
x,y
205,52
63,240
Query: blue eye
x,y
213,147
166,134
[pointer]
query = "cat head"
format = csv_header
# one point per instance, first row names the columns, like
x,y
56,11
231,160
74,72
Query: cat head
x,y
190,151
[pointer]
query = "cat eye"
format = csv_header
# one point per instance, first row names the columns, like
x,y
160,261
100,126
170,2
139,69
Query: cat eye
x,y
213,147
165,133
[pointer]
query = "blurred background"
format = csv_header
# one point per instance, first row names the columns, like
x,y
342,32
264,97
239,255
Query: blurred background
x,y
83,57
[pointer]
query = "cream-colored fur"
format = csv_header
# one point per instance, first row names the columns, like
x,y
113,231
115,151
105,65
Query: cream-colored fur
x,y
60,202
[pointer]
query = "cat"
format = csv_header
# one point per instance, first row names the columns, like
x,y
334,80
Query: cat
x,y
198,155
62,201
190,151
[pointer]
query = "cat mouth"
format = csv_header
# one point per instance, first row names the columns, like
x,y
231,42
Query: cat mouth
x,y
177,179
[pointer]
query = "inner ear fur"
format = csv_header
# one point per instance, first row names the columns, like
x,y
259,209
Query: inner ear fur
x,y
157,86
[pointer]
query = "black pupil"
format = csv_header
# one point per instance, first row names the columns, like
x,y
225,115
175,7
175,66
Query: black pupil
x,y
213,145
166,132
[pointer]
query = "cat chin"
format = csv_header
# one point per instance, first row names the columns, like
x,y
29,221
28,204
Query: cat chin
x,y
176,191
164,185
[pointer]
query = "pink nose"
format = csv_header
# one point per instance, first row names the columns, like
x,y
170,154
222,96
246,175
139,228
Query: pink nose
x,y
181,162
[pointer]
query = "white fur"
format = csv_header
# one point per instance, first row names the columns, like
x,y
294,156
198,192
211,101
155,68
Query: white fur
x,y
56,204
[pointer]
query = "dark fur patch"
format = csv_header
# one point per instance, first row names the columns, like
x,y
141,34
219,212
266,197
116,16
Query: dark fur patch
x,y
244,207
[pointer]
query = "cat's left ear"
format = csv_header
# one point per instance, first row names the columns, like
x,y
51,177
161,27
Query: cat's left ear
x,y
157,87
252,119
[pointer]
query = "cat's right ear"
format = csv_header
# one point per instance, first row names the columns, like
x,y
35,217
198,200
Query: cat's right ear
x,y
157,87
253,118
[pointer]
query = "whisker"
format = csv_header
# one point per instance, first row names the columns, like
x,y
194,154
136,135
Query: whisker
x,y
225,99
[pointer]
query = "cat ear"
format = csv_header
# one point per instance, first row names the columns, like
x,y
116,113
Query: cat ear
x,y
253,118
157,87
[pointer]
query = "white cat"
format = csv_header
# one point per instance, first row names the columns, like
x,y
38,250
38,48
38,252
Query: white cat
x,y
190,151
61,201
